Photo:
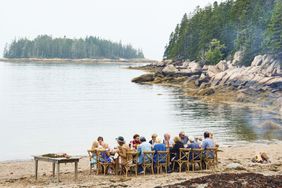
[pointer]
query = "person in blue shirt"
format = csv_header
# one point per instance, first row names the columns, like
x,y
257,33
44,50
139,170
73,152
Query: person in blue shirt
x,y
144,146
193,145
158,146
207,143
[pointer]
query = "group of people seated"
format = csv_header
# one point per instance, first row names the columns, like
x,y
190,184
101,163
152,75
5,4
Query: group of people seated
x,y
141,145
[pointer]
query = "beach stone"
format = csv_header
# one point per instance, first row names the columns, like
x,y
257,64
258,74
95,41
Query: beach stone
x,y
235,166
144,78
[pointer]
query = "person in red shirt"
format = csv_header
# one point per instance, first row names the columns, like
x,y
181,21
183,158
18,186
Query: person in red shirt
x,y
136,141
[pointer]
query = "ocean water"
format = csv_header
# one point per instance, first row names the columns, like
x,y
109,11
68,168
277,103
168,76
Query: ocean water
x,y
63,107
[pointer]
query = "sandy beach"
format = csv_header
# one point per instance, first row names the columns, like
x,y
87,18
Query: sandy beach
x,y
21,173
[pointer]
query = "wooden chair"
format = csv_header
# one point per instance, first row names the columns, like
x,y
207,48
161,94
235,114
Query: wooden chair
x,y
183,159
92,153
131,162
148,161
197,158
162,160
101,163
210,157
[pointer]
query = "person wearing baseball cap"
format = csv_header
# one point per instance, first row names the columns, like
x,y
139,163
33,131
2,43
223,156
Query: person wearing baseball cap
x,y
122,149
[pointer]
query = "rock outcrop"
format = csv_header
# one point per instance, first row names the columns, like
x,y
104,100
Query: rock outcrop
x,y
264,73
263,76
144,78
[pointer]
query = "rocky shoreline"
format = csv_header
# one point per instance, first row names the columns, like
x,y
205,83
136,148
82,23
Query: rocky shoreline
x,y
258,85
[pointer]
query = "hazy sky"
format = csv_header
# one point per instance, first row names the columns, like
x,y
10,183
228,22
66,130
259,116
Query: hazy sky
x,y
145,24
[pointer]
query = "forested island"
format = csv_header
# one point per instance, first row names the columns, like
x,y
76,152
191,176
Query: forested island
x,y
44,46
216,32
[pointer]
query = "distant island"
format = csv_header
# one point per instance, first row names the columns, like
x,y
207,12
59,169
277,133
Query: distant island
x,y
47,47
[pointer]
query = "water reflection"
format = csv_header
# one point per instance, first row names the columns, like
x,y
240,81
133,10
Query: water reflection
x,y
229,123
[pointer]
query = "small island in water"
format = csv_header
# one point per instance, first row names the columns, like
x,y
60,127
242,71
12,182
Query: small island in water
x,y
45,48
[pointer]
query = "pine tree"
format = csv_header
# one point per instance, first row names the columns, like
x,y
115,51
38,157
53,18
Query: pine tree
x,y
274,31
215,52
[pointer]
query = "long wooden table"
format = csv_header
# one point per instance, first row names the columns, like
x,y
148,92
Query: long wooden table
x,y
56,161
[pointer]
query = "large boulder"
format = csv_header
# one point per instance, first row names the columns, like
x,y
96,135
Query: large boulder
x,y
170,69
237,58
144,78
212,70
217,78
275,83
257,61
195,67
267,65
222,65
185,64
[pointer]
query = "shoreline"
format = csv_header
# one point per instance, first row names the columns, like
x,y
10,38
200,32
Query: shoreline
x,y
85,60
21,174
236,144
223,83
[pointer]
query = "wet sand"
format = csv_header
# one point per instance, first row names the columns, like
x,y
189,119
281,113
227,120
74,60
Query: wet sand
x,y
21,173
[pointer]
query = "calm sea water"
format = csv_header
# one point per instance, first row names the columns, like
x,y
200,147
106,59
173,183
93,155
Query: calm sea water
x,y
64,107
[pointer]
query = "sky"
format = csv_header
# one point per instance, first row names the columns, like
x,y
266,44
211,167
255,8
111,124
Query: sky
x,y
145,24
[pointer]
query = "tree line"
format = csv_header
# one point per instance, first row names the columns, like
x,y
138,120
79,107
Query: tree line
x,y
217,31
44,46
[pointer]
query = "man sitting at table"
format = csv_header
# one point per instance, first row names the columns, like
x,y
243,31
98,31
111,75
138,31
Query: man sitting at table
x,y
122,150
144,146
193,145
207,143
136,141
158,147
167,141
183,138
